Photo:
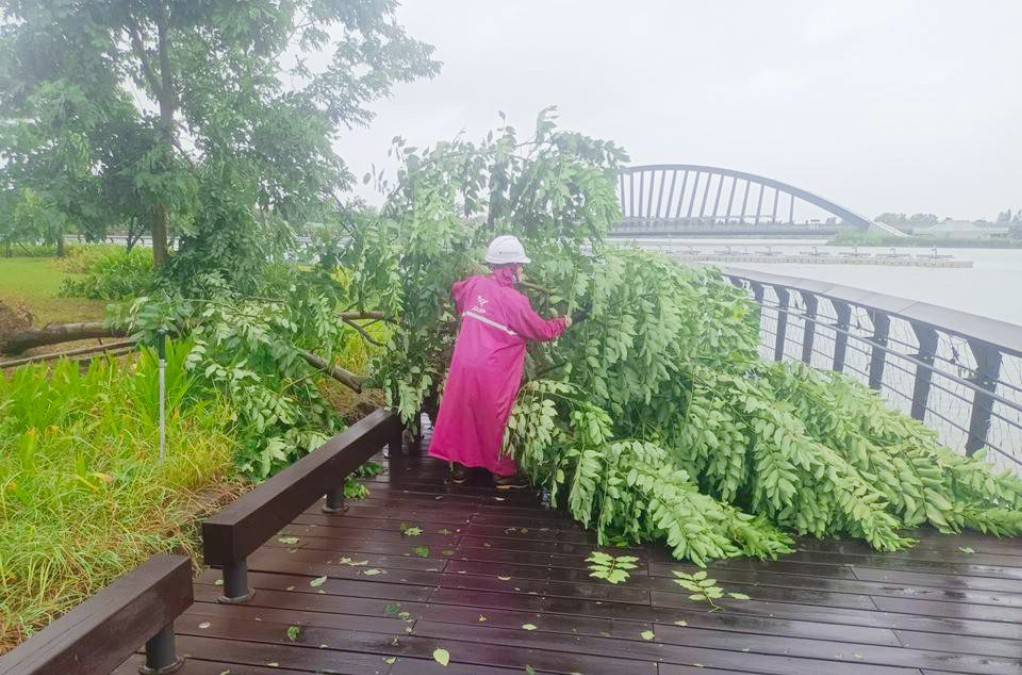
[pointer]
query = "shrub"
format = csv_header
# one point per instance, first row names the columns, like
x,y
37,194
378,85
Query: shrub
x,y
110,274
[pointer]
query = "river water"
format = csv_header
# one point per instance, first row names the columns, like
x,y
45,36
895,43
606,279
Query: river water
x,y
992,287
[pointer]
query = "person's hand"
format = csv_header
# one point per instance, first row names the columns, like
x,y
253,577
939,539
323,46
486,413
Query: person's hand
x,y
567,321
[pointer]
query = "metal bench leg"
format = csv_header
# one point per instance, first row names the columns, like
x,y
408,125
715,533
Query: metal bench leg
x,y
335,501
236,588
160,654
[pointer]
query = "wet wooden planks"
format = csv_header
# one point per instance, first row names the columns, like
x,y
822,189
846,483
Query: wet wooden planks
x,y
502,585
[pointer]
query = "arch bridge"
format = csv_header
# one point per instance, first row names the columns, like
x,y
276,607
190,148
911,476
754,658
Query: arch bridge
x,y
692,199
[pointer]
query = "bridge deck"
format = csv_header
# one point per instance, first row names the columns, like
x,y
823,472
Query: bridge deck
x,y
497,563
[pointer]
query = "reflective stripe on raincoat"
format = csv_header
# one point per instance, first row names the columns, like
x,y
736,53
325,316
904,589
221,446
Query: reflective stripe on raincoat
x,y
486,370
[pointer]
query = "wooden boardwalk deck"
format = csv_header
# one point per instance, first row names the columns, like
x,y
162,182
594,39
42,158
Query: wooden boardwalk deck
x,y
497,562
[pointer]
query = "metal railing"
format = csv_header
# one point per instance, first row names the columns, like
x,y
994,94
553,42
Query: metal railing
x,y
958,373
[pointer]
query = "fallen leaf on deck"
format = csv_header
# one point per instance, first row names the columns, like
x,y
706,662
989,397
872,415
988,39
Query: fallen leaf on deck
x,y
528,626
372,572
647,635
317,582
441,656
290,541
504,578
204,624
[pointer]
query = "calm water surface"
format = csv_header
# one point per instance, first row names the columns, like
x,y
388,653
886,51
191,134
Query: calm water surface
x,y
992,287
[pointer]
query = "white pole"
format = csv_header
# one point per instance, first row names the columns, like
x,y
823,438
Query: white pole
x,y
163,395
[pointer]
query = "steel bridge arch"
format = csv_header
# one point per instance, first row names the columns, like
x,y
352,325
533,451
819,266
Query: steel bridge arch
x,y
645,209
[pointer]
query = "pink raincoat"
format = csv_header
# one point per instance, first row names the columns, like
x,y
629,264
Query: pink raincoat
x,y
486,370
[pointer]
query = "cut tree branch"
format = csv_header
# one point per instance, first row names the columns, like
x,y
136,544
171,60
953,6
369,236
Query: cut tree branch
x,y
363,332
345,377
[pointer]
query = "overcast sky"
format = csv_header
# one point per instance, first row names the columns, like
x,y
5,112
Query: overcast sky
x,y
879,105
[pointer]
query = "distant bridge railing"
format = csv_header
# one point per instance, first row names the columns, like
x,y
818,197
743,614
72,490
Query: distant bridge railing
x,y
697,199
958,373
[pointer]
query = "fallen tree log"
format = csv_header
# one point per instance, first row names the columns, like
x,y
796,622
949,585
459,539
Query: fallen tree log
x,y
19,342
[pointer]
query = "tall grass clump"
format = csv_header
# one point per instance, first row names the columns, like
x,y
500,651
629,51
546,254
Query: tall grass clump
x,y
108,273
83,494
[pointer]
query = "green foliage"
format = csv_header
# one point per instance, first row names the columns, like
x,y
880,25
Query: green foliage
x,y
704,589
249,349
83,496
613,569
214,119
112,275
654,419
552,189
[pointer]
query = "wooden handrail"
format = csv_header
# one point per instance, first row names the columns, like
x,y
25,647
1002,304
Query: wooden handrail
x,y
101,633
235,532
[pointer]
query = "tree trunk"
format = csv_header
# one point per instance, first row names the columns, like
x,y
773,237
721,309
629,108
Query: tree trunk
x,y
55,334
167,96
159,232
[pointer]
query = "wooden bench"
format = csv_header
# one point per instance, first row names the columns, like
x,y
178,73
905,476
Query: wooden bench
x,y
235,532
99,634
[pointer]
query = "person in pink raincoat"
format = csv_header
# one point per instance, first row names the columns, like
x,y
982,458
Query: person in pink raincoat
x,y
486,369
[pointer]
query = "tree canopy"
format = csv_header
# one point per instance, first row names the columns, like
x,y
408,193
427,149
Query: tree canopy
x,y
212,118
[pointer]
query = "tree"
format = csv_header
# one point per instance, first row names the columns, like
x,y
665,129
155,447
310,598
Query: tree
x,y
922,219
893,219
213,118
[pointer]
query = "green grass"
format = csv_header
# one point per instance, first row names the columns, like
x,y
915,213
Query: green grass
x,y
83,495
36,283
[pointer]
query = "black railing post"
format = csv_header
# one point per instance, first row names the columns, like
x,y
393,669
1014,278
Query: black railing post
x,y
236,588
878,350
927,338
160,653
757,292
809,330
988,370
335,500
844,324
782,321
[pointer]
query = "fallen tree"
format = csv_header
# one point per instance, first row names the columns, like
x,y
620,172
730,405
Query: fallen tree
x,y
58,333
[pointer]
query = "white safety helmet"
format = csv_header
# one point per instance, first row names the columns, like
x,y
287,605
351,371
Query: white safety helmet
x,y
506,249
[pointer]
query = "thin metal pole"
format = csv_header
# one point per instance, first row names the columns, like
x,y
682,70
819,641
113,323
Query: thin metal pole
x,y
695,191
716,200
162,348
809,330
759,203
670,194
782,321
706,193
844,322
681,197
642,189
731,199
745,199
